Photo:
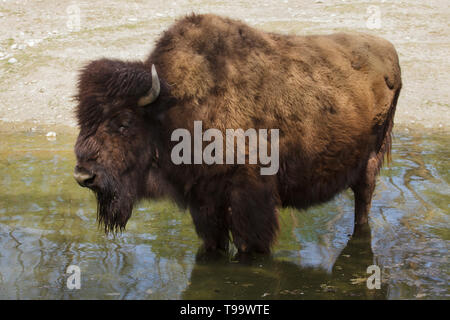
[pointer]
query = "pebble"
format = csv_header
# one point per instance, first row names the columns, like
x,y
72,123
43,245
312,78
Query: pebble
x,y
149,291
51,134
30,43
12,60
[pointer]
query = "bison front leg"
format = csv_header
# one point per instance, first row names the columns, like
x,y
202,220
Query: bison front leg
x,y
252,215
210,226
364,188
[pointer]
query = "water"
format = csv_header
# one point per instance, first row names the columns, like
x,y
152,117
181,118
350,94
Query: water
x,y
47,222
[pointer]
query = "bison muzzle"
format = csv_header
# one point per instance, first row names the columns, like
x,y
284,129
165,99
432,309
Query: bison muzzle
x,y
332,98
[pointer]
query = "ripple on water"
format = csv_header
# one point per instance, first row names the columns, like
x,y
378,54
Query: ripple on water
x,y
47,223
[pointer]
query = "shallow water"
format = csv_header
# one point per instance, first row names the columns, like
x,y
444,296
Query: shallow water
x,y
47,222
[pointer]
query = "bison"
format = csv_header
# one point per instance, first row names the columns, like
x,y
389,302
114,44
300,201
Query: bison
x,y
332,98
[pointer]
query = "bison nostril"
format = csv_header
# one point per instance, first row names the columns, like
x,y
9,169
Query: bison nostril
x,y
84,179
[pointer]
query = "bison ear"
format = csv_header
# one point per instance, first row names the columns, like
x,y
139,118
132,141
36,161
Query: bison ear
x,y
153,93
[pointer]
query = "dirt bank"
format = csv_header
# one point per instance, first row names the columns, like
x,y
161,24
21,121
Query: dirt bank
x,y
43,44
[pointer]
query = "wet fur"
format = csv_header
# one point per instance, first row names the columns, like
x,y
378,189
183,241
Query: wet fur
x,y
332,97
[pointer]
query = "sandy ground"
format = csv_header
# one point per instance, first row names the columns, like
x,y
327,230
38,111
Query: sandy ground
x,y
43,44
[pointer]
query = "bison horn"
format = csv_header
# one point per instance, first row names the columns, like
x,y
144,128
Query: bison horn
x,y
153,92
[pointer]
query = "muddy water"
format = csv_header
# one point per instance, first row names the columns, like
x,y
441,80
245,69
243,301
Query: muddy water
x,y
47,223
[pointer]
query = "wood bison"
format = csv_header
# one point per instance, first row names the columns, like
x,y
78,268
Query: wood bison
x,y
332,98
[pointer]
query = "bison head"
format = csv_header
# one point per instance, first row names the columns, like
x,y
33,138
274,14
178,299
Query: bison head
x,y
115,150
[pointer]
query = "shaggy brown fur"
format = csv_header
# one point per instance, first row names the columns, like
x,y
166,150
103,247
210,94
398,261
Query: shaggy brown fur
x,y
332,97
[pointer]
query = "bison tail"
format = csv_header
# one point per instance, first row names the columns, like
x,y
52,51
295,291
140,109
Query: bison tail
x,y
386,144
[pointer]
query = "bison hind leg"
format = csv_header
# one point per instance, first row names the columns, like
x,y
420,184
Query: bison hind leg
x,y
363,190
365,184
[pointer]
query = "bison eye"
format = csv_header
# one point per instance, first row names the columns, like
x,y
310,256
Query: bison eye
x,y
123,129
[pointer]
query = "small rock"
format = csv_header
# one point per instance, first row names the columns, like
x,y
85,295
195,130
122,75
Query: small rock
x,y
14,46
149,291
51,134
265,294
12,60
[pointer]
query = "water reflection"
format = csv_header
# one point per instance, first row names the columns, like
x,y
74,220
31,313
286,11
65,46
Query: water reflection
x,y
47,223
214,277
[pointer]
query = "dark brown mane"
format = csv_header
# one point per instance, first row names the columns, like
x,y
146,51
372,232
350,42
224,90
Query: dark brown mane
x,y
111,83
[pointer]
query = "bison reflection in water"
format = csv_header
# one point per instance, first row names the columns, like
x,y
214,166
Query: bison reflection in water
x,y
215,276
332,98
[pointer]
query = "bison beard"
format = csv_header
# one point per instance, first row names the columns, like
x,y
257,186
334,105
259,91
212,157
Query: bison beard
x,y
114,205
